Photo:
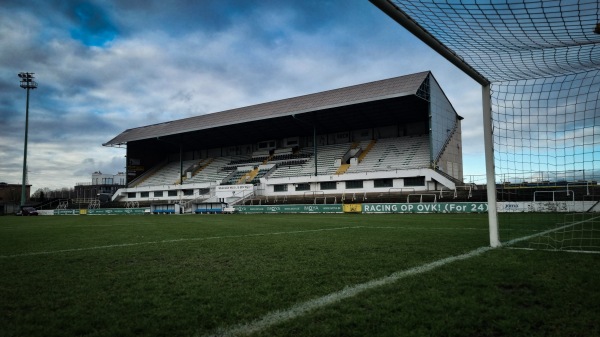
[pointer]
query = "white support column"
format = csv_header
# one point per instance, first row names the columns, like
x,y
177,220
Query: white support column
x,y
489,166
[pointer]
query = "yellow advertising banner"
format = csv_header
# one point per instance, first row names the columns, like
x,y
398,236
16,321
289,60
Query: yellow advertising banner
x,y
352,208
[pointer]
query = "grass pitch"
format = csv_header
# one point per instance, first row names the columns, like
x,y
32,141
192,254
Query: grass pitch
x,y
217,274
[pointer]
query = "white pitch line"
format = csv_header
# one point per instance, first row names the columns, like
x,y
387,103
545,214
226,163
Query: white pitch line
x,y
430,228
557,250
525,238
280,316
171,241
217,237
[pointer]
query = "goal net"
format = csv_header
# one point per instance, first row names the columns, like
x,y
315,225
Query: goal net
x,y
541,63
547,156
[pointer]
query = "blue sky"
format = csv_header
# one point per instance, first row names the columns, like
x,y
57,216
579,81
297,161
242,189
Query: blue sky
x,y
106,66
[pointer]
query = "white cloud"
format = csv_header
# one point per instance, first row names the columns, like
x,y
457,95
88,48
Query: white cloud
x,y
87,95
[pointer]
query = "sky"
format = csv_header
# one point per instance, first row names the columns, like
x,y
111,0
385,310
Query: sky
x,y
106,66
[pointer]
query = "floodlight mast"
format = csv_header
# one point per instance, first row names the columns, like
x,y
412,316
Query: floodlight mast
x,y
27,82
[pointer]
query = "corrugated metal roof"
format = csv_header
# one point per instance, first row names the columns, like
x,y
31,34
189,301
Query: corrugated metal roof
x,y
372,91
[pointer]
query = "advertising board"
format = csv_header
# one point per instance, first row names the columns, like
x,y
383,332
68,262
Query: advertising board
x,y
435,207
290,209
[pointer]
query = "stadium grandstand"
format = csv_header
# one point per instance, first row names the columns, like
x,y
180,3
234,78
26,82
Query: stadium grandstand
x,y
397,135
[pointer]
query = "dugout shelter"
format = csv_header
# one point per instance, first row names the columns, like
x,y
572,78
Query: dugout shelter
x,y
398,134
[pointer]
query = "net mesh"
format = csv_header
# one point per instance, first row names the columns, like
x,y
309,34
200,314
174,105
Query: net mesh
x,y
512,40
542,59
547,129
577,232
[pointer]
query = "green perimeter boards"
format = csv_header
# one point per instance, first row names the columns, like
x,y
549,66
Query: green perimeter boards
x,y
439,207
100,211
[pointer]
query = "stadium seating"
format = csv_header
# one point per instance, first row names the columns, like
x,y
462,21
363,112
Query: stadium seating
x,y
212,172
326,157
395,154
383,155
261,173
235,177
167,175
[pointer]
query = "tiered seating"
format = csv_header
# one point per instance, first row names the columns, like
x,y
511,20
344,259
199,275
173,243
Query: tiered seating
x,y
364,144
288,169
260,157
247,161
211,172
386,154
326,157
395,153
288,163
289,157
168,175
261,173
235,177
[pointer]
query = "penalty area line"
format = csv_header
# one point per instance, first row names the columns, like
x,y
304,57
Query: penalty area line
x,y
276,317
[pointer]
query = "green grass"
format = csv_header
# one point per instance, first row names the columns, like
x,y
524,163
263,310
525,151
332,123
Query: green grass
x,y
193,275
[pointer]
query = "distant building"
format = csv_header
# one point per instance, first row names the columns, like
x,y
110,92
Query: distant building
x,y
10,197
102,186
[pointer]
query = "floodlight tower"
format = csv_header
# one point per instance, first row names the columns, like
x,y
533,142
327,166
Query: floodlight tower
x,y
27,82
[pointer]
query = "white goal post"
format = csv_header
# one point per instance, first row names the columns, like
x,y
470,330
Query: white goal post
x,y
538,63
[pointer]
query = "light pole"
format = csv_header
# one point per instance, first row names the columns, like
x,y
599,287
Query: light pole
x,y
27,82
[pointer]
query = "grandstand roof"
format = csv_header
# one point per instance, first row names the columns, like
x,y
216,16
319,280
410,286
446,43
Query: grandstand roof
x,y
331,106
